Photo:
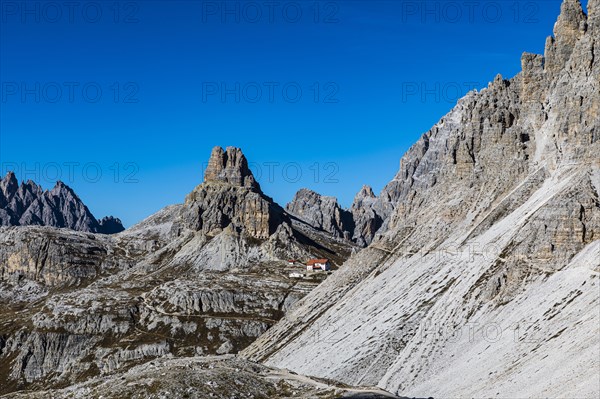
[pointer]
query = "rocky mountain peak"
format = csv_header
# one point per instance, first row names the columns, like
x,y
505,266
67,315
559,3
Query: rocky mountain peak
x,y
569,27
321,212
230,166
514,166
110,225
29,205
570,18
367,219
365,192
62,189
230,196
8,186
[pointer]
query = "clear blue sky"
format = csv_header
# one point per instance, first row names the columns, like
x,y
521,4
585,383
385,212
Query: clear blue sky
x,y
374,76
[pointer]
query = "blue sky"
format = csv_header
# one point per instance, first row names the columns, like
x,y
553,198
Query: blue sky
x,y
124,100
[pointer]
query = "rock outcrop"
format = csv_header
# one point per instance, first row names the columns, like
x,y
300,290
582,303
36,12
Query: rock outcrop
x,y
110,225
56,257
485,274
360,224
365,215
28,205
321,212
231,196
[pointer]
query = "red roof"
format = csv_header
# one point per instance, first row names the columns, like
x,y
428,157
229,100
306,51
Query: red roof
x,y
314,261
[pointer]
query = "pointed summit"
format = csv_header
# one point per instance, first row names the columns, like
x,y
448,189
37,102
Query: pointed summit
x,y
366,192
365,196
9,185
570,18
231,167
569,27
29,205
366,219
61,186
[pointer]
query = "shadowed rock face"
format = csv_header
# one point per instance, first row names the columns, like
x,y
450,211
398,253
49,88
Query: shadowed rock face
x,y
29,205
110,225
367,219
321,212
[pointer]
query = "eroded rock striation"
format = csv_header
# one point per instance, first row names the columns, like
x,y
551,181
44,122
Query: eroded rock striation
x,y
495,227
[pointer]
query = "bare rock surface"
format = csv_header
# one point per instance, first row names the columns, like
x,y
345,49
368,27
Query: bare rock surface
x,y
480,278
204,277
367,218
484,279
228,196
321,212
222,377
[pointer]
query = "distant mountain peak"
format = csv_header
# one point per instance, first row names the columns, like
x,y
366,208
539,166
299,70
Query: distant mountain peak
x,y
110,225
28,204
366,192
9,185
321,212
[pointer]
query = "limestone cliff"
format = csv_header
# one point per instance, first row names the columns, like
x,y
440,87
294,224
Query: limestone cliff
x,y
483,281
230,195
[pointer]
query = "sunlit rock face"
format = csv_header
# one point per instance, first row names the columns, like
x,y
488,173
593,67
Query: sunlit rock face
x,y
230,195
206,277
495,226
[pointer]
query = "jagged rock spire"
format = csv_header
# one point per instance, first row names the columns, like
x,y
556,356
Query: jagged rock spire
x,y
29,205
218,203
569,27
365,192
231,167
8,187
366,219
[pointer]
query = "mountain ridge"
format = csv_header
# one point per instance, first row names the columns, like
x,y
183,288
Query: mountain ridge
x,y
27,204
497,223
